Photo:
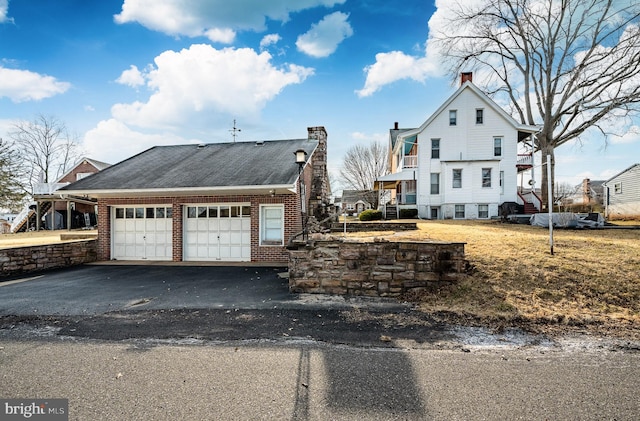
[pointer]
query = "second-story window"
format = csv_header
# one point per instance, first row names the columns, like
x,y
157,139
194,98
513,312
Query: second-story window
x,y
453,117
497,146
457,178
479,116
435,148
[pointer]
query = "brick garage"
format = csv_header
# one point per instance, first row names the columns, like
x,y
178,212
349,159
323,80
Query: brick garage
x,y
257,181
259,253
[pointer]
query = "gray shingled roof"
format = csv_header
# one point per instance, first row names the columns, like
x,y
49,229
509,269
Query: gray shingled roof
x,y
208,165
353,196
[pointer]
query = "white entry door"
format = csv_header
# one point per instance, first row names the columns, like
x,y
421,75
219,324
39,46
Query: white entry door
x,y
217,232
142,232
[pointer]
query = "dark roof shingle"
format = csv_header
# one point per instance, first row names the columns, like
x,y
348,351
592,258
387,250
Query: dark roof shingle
x,y
207,165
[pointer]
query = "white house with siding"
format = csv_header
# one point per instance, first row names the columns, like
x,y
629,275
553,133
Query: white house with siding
x,y
622,193
462,162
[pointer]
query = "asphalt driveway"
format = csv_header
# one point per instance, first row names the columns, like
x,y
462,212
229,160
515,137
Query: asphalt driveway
x,y
98,289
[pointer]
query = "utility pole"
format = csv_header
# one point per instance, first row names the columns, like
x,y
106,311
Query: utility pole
x,y
234,131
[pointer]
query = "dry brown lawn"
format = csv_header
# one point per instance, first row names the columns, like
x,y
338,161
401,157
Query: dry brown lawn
x,y
38,238
591,282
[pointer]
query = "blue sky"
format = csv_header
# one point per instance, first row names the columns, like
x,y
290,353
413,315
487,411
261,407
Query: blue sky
x,y
125,75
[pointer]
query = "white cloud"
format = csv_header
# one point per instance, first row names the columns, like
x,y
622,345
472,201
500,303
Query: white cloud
x,y
221,35
204,79
268,40
375,137
324,37
24,85
112,141
631,136
216,19
393,66
131,77
4,8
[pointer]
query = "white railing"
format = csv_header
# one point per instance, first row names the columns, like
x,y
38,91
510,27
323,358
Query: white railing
x,y
525,159
21,217
530,197
47,188
410,161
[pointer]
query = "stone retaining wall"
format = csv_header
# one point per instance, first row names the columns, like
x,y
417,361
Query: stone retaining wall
x,y
374,226
379,268
28,259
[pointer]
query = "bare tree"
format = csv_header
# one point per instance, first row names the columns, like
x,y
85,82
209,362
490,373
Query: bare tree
x,y
566,65
11,193
46,148
362,165
563,193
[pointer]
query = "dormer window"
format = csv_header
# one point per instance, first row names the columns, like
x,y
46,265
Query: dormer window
x,y
453,117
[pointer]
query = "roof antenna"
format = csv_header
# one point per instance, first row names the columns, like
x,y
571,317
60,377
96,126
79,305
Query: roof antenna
x,y
234,131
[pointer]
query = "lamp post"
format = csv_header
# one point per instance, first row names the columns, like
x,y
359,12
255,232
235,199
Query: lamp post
x,y
301,159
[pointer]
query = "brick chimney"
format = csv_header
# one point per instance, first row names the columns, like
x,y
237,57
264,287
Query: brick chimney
x,y
586,191
466,76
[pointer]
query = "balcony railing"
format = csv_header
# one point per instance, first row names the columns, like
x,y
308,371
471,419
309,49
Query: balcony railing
x,y
410,161
525,160
47,188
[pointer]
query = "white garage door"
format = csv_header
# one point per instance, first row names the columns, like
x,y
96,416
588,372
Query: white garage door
x,y
218,232
142,232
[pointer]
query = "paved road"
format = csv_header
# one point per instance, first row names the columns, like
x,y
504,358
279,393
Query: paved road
x,y
166,343
142,381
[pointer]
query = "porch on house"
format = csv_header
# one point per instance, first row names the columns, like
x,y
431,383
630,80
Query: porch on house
x,y
397,191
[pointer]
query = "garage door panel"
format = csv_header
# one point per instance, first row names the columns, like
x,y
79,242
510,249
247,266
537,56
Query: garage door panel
x,y
225,237
141,232
236,237
224,229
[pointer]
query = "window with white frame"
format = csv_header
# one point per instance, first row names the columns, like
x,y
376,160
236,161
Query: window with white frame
x,y
483,211
435,183
617,188
502,182
457,178
479,116
435,148
453,117
271,225
81,175
497,146
459,212
486,177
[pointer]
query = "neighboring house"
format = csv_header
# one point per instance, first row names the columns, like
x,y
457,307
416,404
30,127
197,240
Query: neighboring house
x,y
356,201
587,193
70,212
221,202
622,194
462,162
